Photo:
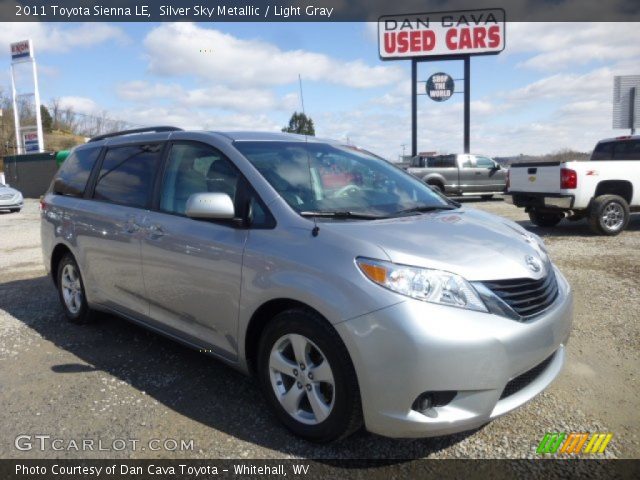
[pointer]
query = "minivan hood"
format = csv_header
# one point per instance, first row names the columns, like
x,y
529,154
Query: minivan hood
x,y
469,242
4,190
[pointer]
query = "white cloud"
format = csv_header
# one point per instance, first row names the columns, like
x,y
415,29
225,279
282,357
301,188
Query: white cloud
x,y
81,105
596,83
53,37
214,96
560,46
177,50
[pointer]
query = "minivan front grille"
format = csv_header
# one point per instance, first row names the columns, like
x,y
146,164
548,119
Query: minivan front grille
x,y
527,297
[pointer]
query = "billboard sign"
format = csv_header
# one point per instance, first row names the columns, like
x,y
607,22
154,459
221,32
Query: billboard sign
x,y
420,35
626,101
440,87
21,49
31,143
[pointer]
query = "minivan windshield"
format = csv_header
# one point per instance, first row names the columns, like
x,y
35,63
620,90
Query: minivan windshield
x,y
327,180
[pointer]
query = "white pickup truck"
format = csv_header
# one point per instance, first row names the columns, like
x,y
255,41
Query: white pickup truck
x,y
604,190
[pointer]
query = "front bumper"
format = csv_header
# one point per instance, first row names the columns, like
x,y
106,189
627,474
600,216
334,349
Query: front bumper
x,y
10,204
540,200
413,347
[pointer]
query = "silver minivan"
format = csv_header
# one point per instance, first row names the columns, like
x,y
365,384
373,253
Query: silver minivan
x,y
350,289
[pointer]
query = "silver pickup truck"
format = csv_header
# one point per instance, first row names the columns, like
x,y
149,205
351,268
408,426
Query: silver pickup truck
x,y
462,174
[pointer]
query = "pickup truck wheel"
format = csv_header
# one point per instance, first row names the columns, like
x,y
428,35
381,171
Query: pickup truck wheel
x,y
545,219
609,215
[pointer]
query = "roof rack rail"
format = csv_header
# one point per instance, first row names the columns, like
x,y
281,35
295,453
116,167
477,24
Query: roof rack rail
x,y
134,131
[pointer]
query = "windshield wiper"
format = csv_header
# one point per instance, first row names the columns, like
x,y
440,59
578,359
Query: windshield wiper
x,y
424,208
341,214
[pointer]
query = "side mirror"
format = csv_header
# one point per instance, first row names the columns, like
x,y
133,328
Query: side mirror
x,y
497,167
210,205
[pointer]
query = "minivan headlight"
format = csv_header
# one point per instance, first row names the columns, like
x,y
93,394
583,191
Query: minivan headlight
x,y
424,284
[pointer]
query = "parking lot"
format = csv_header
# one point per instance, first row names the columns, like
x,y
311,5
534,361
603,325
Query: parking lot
x,y
113,380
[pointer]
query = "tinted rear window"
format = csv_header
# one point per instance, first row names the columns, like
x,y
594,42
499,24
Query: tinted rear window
x,y
72,177
443,161
127,174
617,150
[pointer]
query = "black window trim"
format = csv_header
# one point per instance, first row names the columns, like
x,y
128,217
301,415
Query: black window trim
x,y
243,183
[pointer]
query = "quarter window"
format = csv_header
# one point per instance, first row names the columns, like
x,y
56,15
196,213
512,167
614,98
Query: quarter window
x,y
72,177
127,174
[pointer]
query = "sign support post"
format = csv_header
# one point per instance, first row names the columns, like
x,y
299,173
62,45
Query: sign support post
x,y
632,108
414,107
29,138
467,103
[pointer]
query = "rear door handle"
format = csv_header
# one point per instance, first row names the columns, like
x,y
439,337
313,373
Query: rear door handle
x,y
131,226
155,231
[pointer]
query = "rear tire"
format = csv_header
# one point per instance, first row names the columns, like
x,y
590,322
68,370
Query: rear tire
x,y
15,210
71,291
307,377
545,219
609,215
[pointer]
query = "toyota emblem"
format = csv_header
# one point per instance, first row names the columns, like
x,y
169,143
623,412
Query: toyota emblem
x,y
533,263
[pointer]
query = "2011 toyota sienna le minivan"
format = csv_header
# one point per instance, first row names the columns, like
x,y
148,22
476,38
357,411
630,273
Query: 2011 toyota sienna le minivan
x,y
350,289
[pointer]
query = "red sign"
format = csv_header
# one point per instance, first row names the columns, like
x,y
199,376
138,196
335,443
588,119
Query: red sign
x,y
469,32
20,49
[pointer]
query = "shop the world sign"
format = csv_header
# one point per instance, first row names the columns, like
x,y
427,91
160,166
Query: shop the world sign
x,y
470,32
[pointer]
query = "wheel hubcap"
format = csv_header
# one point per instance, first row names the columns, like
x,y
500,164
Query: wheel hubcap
x,y
71,289
613,216
302,379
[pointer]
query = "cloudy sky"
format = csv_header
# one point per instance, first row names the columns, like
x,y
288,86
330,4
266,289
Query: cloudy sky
x,y
551,88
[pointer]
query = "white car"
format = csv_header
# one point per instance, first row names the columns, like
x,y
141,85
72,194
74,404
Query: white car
x,y
10,198
605,190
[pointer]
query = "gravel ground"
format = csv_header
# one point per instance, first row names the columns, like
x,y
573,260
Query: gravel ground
x,y
113,380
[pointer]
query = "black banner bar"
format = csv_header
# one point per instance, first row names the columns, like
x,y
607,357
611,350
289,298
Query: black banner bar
x,y
305,10
317,469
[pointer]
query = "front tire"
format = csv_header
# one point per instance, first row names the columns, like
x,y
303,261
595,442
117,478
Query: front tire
x,y
307,376
609,215
544,219
71,291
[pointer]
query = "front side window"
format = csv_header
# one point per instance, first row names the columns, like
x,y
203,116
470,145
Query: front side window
x,y
127,174
315,178
484,162
72,177
195,168
467,161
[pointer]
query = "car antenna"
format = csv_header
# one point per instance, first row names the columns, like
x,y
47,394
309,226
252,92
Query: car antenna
x,y
316,228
